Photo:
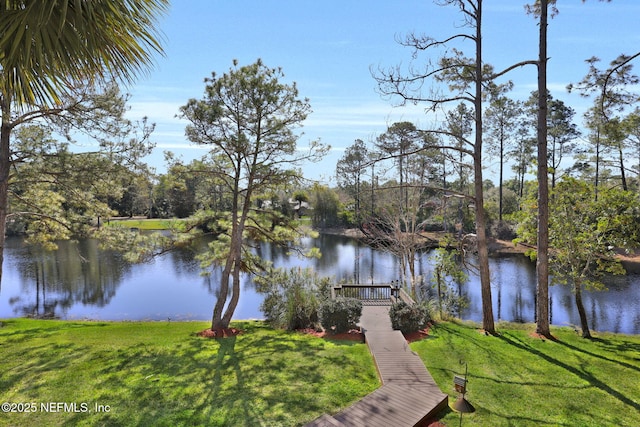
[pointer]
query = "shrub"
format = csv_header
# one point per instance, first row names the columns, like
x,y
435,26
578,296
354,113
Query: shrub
x,y
340,314
292,298
302,308
409,318
503,231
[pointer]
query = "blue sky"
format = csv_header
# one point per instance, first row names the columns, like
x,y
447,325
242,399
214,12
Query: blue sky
x,y
329,47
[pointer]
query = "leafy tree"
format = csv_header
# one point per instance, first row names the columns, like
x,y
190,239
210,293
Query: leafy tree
x,y
176,194
501,128
326,207
349,172
459,128
522,153
397,228
540,8
187,187
136,198
561,132
631,124
397,222
447,271
467,79
58,194
612,96
49,50
584,235
400,140
247,117
427,166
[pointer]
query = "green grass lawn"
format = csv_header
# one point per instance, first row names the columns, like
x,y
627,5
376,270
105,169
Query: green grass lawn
x,y
162,374
165,224
143,224
516,379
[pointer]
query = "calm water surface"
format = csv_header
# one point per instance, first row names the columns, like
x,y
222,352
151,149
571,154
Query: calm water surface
x,y
79,281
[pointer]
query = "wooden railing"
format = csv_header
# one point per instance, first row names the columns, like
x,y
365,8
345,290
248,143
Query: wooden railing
x,y
404,296
376,292
361,291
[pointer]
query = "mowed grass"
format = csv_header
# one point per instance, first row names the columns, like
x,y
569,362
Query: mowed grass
x,y
163,374
144,224
516,379
166,224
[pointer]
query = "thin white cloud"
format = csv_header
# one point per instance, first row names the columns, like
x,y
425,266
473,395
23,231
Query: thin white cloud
x,y
155,110
184,146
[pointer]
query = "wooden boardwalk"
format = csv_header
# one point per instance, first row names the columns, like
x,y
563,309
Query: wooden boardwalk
x,y
408,396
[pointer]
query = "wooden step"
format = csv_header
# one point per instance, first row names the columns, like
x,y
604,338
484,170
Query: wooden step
x,y
325,420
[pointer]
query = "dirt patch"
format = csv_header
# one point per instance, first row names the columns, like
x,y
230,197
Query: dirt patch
x,y
357,335
487,333
351,335
219,333
534,334
418,335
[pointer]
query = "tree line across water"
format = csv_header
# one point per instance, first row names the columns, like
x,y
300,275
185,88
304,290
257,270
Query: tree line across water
x,y
581,208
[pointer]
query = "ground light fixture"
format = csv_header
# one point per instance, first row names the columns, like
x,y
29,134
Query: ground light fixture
x,y
461,404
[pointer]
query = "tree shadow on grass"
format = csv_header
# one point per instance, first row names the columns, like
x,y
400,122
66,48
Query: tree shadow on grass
x,y
22,334
521,419
595,382
613,348
480,341
242,380
37,361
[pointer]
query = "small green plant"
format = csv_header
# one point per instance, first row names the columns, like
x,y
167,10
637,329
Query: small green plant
x,y
292,298
409,318
340,314
448,272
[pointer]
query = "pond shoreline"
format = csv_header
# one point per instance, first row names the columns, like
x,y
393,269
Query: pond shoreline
x,y
497,247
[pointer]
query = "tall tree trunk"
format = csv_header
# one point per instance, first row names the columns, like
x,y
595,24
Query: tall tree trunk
x,y
553,162
623,175
233,259
5,161
237,237
216,320
521,180
597,178
501,178
235,295
581,311
542,264
439,282
481,234
412,269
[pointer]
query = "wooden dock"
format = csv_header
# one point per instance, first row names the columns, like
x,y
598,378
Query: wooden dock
x,y
408,396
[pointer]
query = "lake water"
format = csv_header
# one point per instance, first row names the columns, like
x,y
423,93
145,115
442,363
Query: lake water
x,y
79,281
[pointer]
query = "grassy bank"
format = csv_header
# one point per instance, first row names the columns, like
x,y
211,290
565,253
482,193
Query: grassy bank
x,y
163,224
162,374
143,224
516,379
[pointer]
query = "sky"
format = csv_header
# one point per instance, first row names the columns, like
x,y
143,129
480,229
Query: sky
x,y
330,48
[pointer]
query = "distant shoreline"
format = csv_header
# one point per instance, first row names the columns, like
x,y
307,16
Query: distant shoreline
x,y
497,248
